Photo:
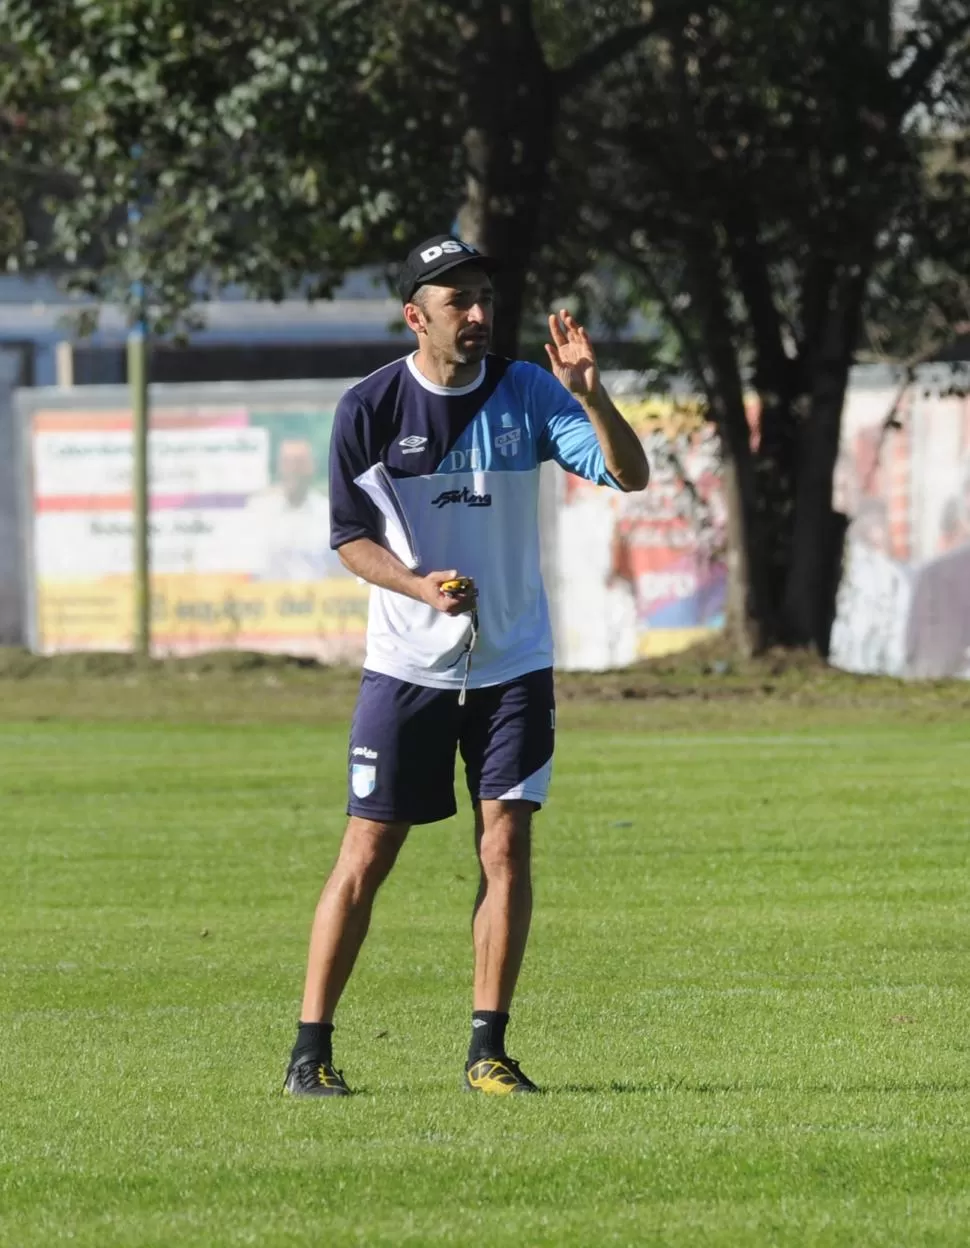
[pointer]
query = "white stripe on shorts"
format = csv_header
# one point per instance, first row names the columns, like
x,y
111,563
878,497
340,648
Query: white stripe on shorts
x,y
534,788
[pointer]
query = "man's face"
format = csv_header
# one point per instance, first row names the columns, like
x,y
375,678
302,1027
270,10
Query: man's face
x,y
456,316
295,468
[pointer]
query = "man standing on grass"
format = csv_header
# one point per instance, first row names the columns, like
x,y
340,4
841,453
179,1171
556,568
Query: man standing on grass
x,y
434,477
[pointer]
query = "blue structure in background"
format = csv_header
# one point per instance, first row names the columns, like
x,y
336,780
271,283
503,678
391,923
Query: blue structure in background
x,y
35,317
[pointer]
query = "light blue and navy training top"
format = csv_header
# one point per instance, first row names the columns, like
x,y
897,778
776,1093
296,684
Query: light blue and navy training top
x,y
449,478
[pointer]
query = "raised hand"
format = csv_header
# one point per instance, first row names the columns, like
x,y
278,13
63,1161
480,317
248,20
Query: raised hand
x,y
572,356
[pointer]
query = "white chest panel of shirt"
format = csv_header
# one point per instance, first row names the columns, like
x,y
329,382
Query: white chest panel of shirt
x,y
483,524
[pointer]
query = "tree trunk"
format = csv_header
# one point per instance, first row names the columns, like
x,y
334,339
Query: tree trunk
x,y
812,580
751,613
512,108
775,381
743,629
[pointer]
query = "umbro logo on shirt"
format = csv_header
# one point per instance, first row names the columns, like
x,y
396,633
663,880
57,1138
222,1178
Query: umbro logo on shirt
x,y
464,495
413,444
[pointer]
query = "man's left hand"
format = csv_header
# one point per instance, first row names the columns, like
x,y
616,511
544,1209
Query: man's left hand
x,y
572,356
574,364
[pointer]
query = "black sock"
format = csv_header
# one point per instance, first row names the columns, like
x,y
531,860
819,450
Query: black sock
x,y
314,1040
488,1035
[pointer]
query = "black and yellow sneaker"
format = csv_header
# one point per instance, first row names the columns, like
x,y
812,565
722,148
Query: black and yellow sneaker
x,y
497,1076
308,1077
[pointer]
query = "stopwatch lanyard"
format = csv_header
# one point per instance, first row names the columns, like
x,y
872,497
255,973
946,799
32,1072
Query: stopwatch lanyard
x,y
472,639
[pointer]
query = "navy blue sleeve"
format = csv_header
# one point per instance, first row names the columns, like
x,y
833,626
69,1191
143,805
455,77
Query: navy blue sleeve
x,y
352,514
565,433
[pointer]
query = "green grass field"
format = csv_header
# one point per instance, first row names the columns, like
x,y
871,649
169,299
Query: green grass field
x,y
747,993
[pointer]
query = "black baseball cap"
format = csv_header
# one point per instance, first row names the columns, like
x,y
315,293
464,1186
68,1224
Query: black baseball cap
x,y
436,256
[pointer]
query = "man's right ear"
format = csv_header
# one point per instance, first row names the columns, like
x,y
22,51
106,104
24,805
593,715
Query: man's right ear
x,y
414,318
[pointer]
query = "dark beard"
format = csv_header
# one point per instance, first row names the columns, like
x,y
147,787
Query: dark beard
x,y
471,354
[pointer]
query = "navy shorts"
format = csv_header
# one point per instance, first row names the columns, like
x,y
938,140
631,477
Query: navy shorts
x,y
404,740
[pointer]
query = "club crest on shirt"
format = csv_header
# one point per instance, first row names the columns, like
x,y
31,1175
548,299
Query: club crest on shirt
x,y
507,442
363,779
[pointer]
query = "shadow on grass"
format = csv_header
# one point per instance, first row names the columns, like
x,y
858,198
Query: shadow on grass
x,y
614,1089
926,1087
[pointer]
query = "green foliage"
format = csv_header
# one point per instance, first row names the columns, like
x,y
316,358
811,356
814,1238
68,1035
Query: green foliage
x,y
251,138
797,139
920,294
273,147
279,146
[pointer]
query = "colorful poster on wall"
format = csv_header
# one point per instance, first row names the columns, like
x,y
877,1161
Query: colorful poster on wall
x,y
643,575
239,532
903,478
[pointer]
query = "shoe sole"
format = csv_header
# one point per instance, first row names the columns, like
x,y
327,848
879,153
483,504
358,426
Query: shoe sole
x,y
314,1096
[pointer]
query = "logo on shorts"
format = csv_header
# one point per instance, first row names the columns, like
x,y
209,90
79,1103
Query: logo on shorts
x,y
464,495
361,751
413,444
363,779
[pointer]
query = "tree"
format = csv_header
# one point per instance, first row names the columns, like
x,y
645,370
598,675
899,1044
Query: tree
x,y
282,145
764,172
780,184
518,64
246,134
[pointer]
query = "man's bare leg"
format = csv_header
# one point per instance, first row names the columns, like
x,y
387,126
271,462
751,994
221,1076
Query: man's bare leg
x,y
503,908
367,854
500,929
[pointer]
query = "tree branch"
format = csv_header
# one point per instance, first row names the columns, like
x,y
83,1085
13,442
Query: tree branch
x,y
817,279
928,60
691,348
429,60
891,420
603,54
750,266
530,35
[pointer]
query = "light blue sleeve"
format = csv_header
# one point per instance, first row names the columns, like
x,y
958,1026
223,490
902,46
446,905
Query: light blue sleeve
x,y
563,429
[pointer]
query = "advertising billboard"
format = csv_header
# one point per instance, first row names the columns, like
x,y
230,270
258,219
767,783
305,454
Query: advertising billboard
x,y
238,523
903,478
643,574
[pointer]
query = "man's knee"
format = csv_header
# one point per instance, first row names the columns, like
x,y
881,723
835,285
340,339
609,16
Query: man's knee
x,y
505,840
369,850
